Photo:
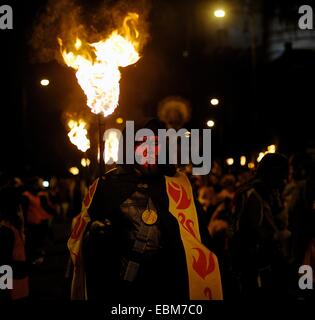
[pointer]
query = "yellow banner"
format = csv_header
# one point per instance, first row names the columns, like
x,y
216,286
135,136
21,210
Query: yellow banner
x,y
202,264
78,289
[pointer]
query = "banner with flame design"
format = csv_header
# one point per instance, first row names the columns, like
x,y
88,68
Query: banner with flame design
x,y
202,264
78,289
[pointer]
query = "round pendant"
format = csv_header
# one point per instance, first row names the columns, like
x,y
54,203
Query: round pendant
x,y
149,217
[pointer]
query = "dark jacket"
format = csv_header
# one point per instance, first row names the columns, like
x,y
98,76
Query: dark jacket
x,y
119,201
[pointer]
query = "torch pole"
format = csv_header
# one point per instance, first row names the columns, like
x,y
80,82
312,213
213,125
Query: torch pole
x,y
101,127
86,170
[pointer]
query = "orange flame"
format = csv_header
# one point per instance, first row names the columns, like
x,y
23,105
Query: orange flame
x,y
97,64
78,134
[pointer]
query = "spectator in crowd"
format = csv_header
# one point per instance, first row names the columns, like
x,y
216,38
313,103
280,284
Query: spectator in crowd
x,y
301,216
38,211
206,198
12,240
257,255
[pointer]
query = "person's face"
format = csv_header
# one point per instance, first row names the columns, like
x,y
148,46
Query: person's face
x,y
148,155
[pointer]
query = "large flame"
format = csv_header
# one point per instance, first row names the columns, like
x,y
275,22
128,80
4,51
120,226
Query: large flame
x,y
78,134
97,64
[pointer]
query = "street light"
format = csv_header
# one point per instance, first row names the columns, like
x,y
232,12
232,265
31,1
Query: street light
x,y
251,165
45,184
210,123
85,162
243,161
44,82
74,170
219,13
119,120
214,101
229,161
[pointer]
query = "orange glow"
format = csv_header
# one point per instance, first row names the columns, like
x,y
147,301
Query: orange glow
x,y
119,120
251,165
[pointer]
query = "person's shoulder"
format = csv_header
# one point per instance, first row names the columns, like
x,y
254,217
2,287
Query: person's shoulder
x,y
105,192
111,178
116,173
111,173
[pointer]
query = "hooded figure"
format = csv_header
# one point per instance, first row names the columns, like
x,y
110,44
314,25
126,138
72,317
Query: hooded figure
x,y
138,238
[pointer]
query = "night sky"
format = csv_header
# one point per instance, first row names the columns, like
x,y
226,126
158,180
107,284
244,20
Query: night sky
x,y
275,104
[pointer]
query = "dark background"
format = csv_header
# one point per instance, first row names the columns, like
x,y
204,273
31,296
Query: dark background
x,y
263,99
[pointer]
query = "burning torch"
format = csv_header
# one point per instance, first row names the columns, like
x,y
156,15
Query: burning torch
x,y
97,69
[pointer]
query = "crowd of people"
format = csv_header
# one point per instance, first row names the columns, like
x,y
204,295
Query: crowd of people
x,y
259,223
27,209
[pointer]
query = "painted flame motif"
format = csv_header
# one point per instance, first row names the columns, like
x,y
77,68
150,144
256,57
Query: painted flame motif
x,y
179,195
207,292
78,228
204,265
188,224
78,134
81,222
97,64
89,196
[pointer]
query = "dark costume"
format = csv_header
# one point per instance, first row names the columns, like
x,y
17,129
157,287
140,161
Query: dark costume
x,y
121,198
133,247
